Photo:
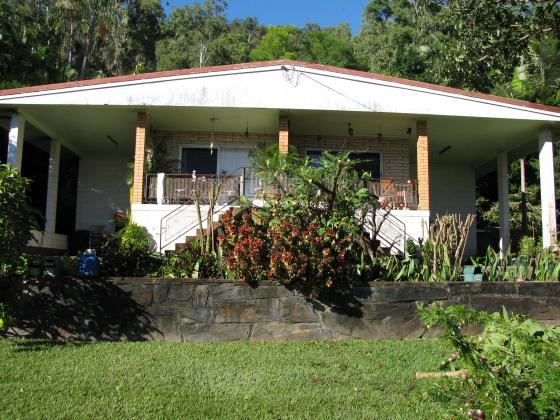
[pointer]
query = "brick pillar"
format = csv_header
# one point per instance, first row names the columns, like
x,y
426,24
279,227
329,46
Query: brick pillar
x,y
283,135
422,161
142,128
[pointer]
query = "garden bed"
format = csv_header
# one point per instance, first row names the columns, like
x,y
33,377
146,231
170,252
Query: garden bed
x,y
217,310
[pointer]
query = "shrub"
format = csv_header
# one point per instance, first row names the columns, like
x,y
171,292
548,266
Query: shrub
x,y
129,253
5,319
17,218
512,368
542,265
246,245
311,259
193,262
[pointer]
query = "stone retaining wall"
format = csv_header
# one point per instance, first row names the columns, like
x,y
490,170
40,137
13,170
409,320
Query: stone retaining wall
x,y
136,308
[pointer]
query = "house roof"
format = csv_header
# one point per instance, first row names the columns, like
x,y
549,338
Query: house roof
x,y
276,63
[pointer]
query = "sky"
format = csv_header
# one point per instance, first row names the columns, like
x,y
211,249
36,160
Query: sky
x,y
293,12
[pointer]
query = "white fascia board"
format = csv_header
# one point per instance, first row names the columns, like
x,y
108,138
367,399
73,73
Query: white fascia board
x,y
282,87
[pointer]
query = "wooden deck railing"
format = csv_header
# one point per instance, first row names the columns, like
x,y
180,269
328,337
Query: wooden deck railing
x,y
394,194
182,188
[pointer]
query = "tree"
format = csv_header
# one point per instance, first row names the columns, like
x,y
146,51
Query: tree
x,y
145,19
400,38
486,39
192,36
330,46
17,218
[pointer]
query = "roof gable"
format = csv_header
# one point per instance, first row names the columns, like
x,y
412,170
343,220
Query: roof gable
x,y
280,84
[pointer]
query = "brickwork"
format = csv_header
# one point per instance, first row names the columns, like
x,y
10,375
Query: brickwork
x,y
423,162
142,130
283,134
394,151
175,139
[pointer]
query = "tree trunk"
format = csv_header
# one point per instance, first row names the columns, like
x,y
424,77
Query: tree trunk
x,y
89,41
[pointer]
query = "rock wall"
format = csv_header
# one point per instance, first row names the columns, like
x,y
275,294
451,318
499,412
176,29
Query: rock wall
x,y
139,309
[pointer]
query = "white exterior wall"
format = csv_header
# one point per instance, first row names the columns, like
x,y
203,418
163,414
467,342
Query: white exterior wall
x,y
282,87
150,216
452,189
102,191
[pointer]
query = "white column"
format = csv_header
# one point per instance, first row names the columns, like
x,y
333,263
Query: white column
x,y
52,186
160,188
548,190
503,201
15,141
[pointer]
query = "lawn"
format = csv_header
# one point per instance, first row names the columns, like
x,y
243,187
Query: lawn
x,y
326,379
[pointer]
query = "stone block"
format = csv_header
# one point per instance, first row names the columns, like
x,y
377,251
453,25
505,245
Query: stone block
x,y
161,291
245,292
284,331
181,291
142,296
297,310
464,288
498,288
408,292
383,310
214,332
187,311
200,296
166,328
540,289
257,310
534,307
219,289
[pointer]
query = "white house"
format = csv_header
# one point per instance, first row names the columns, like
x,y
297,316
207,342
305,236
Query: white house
x,y
425,143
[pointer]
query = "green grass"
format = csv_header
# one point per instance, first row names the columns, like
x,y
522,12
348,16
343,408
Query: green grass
x,y
326,379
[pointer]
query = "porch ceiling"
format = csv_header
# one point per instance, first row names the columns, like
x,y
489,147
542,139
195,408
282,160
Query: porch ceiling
x,y
473,141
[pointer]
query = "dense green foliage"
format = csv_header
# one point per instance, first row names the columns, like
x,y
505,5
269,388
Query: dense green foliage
x,y
17,218
472,45
511,368
235,380
311,234
531,263
193,262
129,253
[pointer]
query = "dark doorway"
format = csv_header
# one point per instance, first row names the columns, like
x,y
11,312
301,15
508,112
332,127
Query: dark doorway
x,y
199,159
67,192
35,166
3,145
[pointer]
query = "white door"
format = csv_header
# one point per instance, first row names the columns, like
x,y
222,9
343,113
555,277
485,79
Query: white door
x,y
232,162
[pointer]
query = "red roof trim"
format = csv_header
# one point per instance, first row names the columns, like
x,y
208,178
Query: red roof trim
x,y
243,66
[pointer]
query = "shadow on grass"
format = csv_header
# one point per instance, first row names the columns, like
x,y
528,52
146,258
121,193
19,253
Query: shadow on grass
x,y
74,309
32,345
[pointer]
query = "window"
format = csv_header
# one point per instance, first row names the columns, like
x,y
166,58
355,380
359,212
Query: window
x,y
369,161
199,159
